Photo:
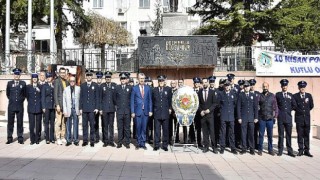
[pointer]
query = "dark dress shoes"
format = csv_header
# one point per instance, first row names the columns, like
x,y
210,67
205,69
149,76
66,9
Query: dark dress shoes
x,y
272,153
279,154
221,151
105,144
68,144
260,153
84,143
300,153
119,145
155,149
92,144
32,143
307,153
9,142
112,144
233,151
291,154
252,152
243,151
127,146
76,143
165,148
144,147
215,151
21,142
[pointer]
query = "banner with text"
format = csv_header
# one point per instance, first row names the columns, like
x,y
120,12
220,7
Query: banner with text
x,y
270,63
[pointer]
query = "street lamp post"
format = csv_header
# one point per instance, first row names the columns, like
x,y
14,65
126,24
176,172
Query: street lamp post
x,y
6,63
34,62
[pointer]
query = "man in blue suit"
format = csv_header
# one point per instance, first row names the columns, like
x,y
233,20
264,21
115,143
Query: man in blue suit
x,y
141,108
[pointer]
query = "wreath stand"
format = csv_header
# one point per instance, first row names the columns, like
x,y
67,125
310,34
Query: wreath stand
x,y
185,146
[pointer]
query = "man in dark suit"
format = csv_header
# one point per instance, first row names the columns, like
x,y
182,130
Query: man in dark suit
x,y
161,98
207,103
89,105
302,118
47,102
123,93
34,109
286,104
141,108
99,76
150,124
60,124
247,110
16,94
107,108
227,102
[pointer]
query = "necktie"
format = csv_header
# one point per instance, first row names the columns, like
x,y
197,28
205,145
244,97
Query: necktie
x,y
285,95
122,87
88,85
17,83
142,91
247,95
205,95
303,96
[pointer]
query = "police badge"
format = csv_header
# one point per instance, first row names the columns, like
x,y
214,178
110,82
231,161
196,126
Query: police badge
x,y
185,103
92,87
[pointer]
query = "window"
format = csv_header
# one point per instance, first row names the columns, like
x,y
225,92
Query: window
x,y
122,4
123,24
144,24
144,3
97,3
165,3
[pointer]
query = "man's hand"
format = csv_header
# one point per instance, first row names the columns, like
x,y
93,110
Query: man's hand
x,y
58,109
65,114
240,121
43,110
255,120
133,115
202,113
150,114
101,112
207,111
170,111
275,120
96,111
80,111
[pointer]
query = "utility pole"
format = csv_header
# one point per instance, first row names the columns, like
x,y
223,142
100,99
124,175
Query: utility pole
x,y
29,43
52,50
7,40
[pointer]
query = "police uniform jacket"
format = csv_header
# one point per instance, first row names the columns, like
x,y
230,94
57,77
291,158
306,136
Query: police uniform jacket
x,y
303,108
227,105
16,95
47,101
210,103
247,107
161,102
34,98
89,97
123,99
285,106
108,99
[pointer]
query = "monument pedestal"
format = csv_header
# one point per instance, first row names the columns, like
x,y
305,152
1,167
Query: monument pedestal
x,y
175,24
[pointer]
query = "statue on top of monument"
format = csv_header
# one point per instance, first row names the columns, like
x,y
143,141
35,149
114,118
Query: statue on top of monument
x,y
173,5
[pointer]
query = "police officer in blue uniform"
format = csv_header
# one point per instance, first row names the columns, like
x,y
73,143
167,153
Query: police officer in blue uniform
x,y
99,76
33,92
123,94
241,85
252,83
89,105
247,110
233,86
286,104
16,94
227,100
161,98
47,103
305,104
107,108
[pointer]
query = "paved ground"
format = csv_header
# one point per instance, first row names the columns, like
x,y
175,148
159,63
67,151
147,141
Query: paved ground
x,y
60,162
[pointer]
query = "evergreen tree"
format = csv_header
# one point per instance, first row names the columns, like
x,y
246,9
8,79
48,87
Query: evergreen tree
x,y
157,23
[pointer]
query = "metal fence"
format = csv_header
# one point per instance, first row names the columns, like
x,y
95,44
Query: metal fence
x,y
119,59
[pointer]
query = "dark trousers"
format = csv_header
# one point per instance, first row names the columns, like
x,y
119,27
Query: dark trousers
x,y
256,135
247,135
34,126
217,124
10,126
173,127
108,121
164,123
134,129
149,130
207,124
141,126
263,124
123,123
224,126
303,131
88,120
97,127
49,124
237,133
284,127
43,117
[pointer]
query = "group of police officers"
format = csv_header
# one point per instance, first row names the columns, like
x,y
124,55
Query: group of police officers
x,y
232,115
